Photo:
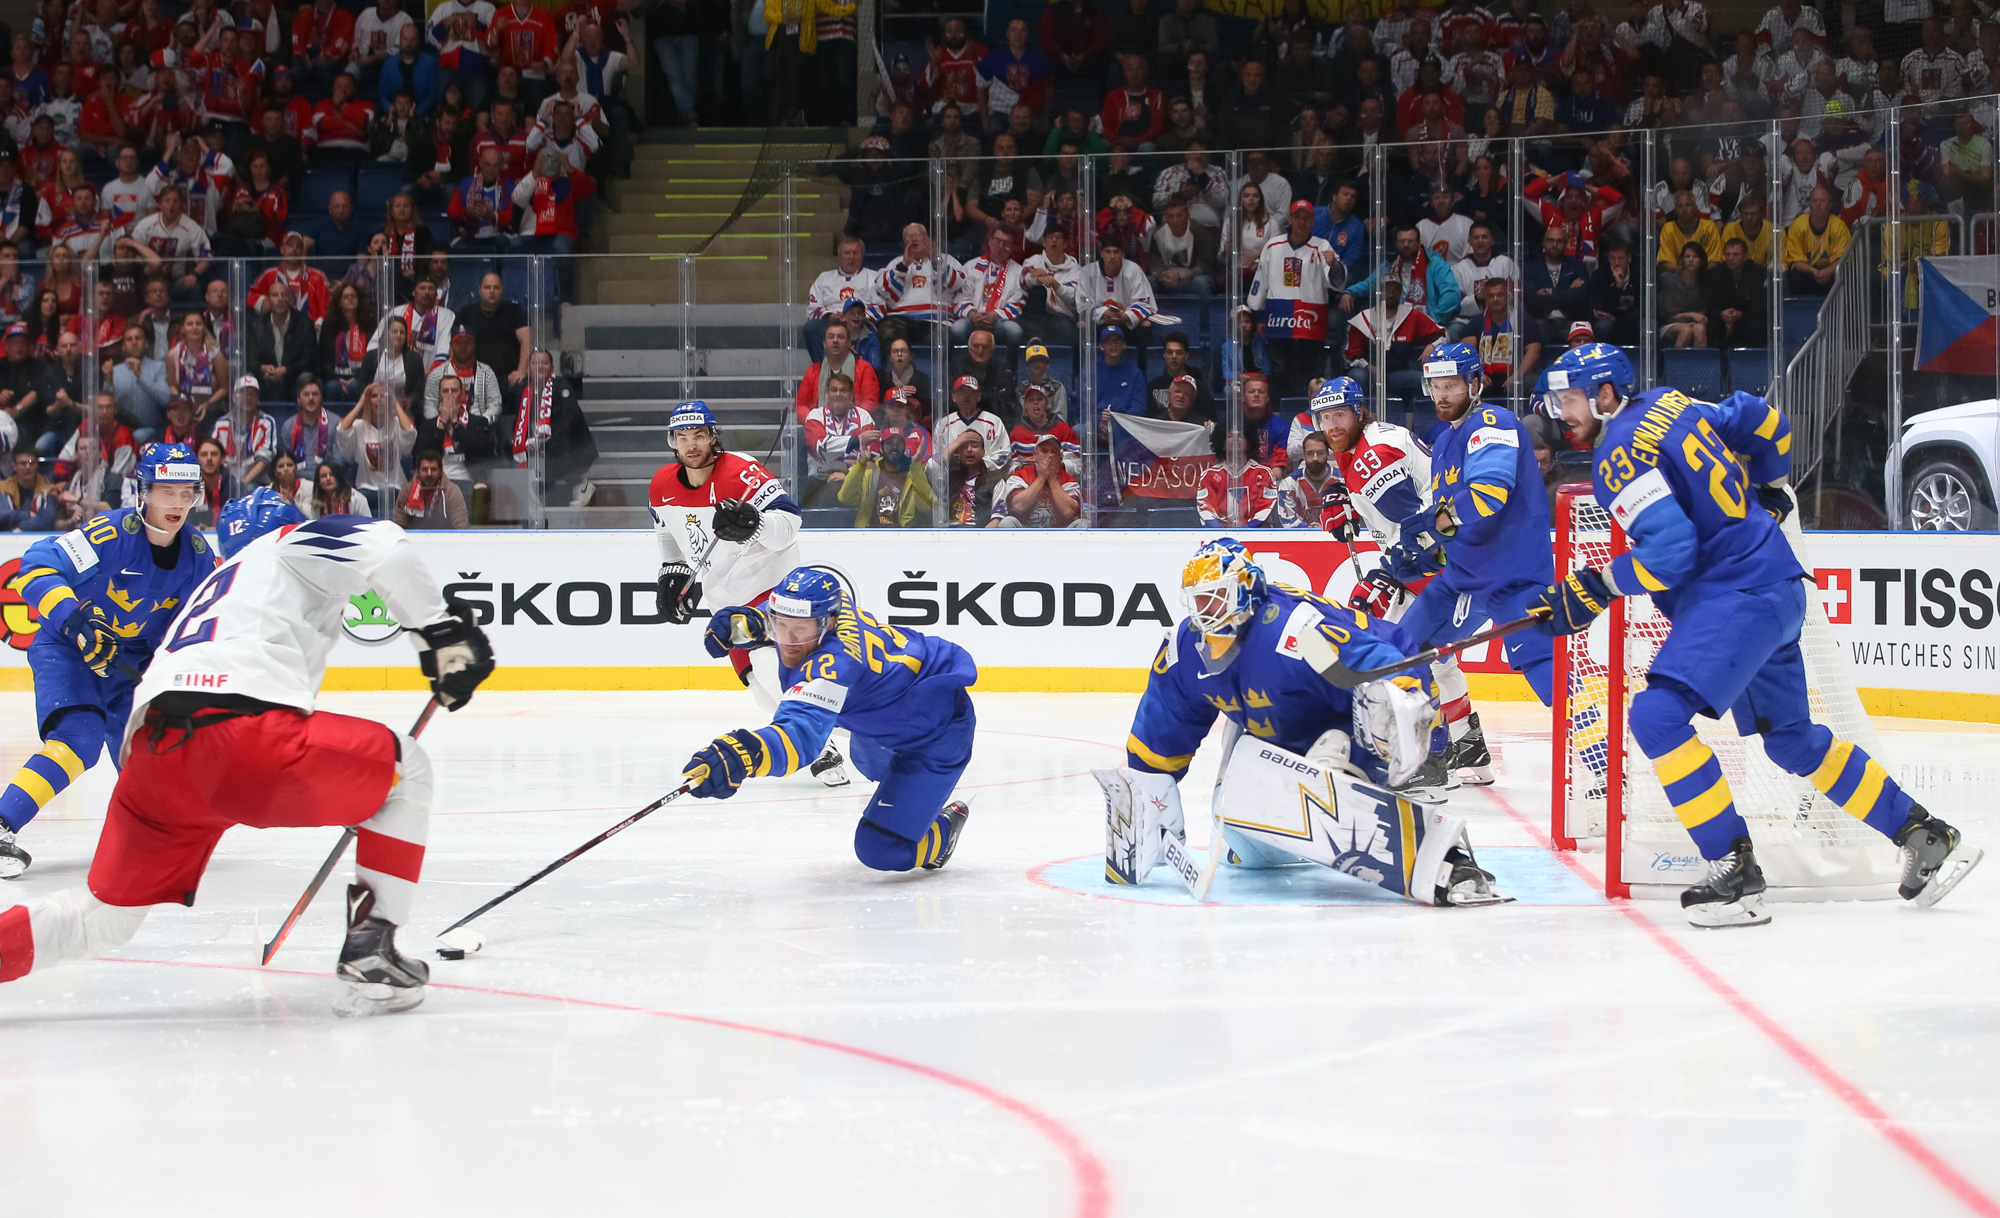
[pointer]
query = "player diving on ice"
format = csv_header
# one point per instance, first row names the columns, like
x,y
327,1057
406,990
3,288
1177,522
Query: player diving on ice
x,y
728,533
105,593
223,732
900,694
1706,544
1283,666
1386,474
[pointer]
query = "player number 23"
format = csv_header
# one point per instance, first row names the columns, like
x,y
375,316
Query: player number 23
x,y
1725,481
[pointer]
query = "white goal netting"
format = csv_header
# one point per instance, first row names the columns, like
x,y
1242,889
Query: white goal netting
x,y
1804,840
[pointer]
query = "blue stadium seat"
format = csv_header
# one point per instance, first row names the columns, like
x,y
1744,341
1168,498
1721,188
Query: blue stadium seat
x,y
465,276
322,181
375,185
440,230
1750,370
827,517
875,257
1801,319
1696,371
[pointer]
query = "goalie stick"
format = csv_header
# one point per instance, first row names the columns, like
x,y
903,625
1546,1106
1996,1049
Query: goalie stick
x,y
594,842
326,869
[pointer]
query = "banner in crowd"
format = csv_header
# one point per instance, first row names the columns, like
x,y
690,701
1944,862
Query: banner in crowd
x,y
1956,326
1158,458
1070,610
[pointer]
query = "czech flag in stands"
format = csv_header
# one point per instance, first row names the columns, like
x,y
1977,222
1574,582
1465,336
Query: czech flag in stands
x,y
1955,325
1159,458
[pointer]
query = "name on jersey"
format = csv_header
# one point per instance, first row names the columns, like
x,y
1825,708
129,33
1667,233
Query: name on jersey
x,y
200,680
1655,423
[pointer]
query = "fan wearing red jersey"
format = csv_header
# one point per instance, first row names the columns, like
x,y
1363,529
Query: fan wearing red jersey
x,y
724,520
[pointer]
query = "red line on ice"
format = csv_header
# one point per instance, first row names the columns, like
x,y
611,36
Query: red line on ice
x,y
1093,1187
1857,1101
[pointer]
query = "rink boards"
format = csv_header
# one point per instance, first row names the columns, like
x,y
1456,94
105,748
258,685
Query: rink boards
x,y
1076,611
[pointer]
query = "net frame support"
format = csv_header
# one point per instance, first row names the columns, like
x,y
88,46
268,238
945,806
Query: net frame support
x,y
1561,755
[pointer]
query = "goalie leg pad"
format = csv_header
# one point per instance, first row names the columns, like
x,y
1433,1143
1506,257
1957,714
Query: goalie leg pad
x,y
1280,807
1139,808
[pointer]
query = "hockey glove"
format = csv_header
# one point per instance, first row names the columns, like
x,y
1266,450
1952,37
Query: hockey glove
x,y
680,595
722,766
734,627
1336,515
88,628
1573,604
1776,499
735,520
456,657
1393,720
1377,594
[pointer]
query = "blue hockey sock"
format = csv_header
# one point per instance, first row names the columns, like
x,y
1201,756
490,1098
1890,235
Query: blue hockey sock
x,y
1844,772
1662,725
882,850
68,751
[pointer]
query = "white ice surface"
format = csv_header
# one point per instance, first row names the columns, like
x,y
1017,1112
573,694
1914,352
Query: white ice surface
x,y
721,1013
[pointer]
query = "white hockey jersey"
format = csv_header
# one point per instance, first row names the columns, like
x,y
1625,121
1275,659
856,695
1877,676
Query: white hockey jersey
x,y
262,625
1388,474
833,289
737,572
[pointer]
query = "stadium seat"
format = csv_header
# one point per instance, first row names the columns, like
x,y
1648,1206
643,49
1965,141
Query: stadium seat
x,y
1172,514
322,181
1694,370
440,230
465,276
1750,370
827,517
375,185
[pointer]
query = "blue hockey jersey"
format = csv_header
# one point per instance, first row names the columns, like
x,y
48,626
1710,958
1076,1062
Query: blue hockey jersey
x,y
895,687
1483,466
109,562
1267,688
1672,472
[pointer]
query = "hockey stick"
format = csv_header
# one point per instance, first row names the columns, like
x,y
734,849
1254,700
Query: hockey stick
x,y
1434,654
326,869
599,840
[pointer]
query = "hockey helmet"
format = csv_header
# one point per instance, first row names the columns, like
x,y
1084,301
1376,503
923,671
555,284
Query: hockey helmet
x,y
807,593
242,521
1455,359
161,462
1585,368
689,415
1221,587
1340,391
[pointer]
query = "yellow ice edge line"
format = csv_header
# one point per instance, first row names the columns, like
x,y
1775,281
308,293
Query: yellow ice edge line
x,y
1494,687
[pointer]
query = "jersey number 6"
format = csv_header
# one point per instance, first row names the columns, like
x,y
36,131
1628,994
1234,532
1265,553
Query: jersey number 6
x,y
212,590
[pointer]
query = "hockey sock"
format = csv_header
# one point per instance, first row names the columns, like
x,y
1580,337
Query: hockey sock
x,y
1454,697
389,849
68,925
882,850
70,749
1662,724
1844,772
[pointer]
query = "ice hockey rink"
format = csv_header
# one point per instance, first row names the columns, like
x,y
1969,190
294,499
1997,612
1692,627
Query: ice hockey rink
x,y
721,1012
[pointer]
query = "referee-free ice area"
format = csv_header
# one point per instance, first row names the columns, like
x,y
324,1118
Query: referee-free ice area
x,y
720,1012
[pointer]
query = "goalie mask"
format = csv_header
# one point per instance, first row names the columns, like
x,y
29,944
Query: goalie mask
x,y
1221,587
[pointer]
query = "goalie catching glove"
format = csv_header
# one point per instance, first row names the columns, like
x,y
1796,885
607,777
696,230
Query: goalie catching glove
x,y
1393,718
738,626
455,656
680,594
88,628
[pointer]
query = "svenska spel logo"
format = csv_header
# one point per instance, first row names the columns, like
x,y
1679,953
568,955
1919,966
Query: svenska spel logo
x,y
368,621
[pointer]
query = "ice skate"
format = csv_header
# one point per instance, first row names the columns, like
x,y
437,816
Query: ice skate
x,y
375,978
1467,757
1733,893
1935,858
831,768
1467,883
955,814
13,859
1432,778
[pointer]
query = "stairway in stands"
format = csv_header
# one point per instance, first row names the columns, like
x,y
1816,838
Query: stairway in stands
x,y
625,329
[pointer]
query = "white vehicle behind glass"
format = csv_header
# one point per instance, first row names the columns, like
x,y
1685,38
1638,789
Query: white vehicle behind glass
x,y
1951,465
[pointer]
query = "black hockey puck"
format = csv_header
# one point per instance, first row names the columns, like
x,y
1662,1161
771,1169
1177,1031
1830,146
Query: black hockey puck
x,y
451,953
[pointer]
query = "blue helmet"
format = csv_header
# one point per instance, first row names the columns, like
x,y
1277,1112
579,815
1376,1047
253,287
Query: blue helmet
x,y
1586,368
167,463
688,415
1222,586
1455,359
244,520
1340,391
807,592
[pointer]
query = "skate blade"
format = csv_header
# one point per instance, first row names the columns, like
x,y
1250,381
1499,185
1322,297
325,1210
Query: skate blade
x,y
1473,900
1956,866
12,868
835,777
1476,775
358,999
1747,912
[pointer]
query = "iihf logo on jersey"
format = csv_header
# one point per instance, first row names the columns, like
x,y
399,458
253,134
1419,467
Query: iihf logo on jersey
x,y
368,621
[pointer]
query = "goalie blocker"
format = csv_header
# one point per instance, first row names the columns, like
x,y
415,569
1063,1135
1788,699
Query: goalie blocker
x,y
1278,808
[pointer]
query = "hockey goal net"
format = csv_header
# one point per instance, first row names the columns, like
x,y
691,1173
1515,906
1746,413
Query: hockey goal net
x,y
1603,786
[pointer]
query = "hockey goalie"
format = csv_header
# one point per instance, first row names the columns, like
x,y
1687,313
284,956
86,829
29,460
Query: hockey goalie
x,y
1281,666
